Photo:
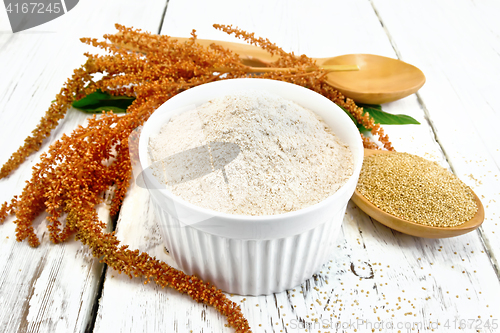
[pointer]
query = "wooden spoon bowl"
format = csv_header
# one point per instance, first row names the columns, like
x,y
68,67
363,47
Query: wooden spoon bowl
x,y
379,79
411,228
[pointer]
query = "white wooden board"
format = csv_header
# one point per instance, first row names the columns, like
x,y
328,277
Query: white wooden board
x,y
378,277
410,281
457,48
51,288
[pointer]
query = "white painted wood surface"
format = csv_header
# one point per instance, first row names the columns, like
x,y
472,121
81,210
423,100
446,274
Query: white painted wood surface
x,y
52,288
377,275
460,99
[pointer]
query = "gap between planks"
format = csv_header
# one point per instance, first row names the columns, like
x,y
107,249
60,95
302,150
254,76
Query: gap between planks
x,y
163,17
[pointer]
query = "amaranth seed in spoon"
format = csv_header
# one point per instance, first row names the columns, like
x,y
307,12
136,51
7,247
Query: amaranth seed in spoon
x,y
415,189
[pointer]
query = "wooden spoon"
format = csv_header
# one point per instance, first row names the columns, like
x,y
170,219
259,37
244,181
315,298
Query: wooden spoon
x,y
379,79
411,228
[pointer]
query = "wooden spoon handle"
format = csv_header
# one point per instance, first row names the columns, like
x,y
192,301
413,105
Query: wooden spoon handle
x,y
256,58
330,68
251,53
246,51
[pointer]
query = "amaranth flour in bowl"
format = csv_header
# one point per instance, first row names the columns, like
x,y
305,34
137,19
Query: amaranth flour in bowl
x,y
250,153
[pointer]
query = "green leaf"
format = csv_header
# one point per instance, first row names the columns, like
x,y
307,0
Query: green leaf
x,y
380,117
99,101
384,118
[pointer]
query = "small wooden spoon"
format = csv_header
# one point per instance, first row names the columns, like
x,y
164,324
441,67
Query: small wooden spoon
x,y
411,228
379,79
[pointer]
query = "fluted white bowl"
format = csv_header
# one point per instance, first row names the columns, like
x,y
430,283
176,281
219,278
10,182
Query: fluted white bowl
x,y
250,255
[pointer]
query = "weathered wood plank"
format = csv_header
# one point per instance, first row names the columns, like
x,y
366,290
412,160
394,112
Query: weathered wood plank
x,y
458,49
48,289
377,275
51,288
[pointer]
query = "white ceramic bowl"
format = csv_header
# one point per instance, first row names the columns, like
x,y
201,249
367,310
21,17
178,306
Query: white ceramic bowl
x,y
250,255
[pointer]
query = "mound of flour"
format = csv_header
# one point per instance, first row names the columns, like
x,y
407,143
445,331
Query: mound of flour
x,y
250,153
